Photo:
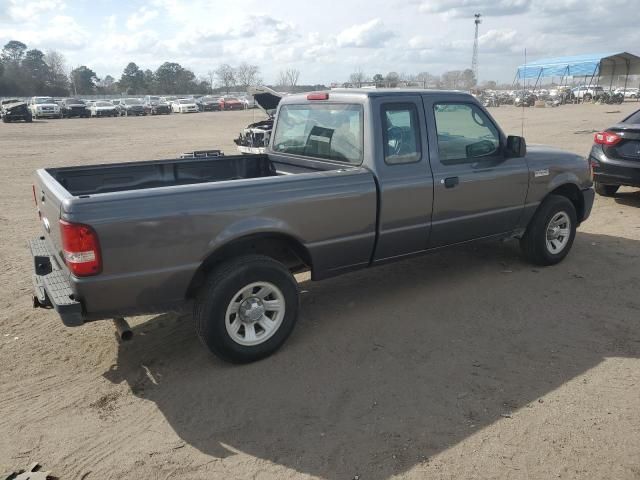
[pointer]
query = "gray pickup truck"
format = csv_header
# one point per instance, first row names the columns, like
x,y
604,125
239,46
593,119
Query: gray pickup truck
x,y
351,179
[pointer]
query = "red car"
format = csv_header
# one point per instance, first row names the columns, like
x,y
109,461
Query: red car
x,y
230,103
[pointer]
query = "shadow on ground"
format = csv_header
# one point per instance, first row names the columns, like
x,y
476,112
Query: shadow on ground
x,y
390,366
630,199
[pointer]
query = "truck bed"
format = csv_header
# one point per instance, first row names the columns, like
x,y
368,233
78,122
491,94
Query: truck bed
x,y
88,180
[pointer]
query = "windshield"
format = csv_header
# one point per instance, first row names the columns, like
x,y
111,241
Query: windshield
x,y
103,104
186,101
44,100
75,101
332,132
231,99
131,101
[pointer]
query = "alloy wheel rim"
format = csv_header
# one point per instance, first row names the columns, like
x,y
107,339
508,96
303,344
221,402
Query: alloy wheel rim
x,y
255,313
558,232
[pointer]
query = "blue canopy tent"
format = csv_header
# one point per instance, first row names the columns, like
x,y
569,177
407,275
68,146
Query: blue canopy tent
x,y
591,65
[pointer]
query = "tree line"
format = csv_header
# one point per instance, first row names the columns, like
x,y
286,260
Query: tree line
x,y
26,72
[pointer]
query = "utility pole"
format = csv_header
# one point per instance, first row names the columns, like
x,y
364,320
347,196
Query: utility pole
x,y
474,59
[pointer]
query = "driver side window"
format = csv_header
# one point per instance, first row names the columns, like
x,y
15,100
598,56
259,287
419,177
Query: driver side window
x,y
400,133
465,133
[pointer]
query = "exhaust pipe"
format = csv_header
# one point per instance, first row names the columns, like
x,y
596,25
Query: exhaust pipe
x,y
123,329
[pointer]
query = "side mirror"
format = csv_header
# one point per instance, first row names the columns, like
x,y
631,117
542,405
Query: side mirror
x,y
516,147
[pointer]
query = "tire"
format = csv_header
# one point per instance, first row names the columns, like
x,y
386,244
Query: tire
x,y
28,119
587,97
606,190
5,119
535,245
213,310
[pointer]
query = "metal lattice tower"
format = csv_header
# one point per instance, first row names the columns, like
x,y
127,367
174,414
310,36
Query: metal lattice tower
x,y
474,59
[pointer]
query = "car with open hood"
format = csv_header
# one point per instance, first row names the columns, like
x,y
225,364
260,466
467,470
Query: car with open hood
x,y
12,109
44,107
255,137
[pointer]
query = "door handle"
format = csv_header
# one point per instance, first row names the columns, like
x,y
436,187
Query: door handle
x,y
450,182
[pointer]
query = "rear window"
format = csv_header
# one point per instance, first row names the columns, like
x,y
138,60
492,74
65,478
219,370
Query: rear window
x,y
633,119
326,131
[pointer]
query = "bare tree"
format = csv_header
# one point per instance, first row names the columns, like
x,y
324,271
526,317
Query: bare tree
x,y
392,79
282,79
357,78
247,75
293,75
211,78
226,77
288,79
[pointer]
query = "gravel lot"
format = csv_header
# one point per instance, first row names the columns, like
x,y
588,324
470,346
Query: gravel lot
x,y
465,364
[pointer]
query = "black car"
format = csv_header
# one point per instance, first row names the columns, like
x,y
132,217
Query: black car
x,y
14,109
615,156
72,107
208,104
156,106
131,106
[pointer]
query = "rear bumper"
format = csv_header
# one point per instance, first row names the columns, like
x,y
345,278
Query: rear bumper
x,y
612,171
51,286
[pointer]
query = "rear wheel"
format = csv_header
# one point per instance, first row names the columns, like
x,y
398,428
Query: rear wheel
x,y
551,232
606,190
247,308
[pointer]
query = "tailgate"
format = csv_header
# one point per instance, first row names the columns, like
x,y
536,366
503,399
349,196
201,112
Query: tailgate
x,y
49,198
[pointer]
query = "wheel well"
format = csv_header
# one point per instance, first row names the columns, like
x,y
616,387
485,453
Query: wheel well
x,y
572,192
283,248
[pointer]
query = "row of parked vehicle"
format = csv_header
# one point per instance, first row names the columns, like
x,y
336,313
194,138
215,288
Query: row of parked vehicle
x,y
13,109
558,96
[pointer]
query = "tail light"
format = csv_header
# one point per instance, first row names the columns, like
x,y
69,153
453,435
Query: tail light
x,y
81,249
607,138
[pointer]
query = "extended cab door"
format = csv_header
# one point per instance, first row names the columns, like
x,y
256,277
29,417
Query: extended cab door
x,y
478,190
404,177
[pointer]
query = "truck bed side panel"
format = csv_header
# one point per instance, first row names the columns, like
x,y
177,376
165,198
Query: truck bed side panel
x,y
154,240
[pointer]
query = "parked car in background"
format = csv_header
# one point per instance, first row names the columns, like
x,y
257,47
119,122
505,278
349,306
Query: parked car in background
x,y
347,182
73,107
12,109
586,93
131,107
44,107
103,108
230,103
209,103
629,92
615,156
154,105
248,101
185,105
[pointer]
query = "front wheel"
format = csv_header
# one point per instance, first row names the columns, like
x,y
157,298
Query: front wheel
x,y
551,232
606,190
247,308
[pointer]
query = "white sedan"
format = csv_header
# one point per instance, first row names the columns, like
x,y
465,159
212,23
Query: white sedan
x,y
184,105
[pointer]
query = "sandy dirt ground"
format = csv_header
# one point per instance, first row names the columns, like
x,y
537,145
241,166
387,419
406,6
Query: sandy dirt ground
x,y
465,364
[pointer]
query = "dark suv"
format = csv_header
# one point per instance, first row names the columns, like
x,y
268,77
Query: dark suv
x,y
72,107
615,156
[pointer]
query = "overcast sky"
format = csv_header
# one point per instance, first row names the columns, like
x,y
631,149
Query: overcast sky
x,y
324,40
